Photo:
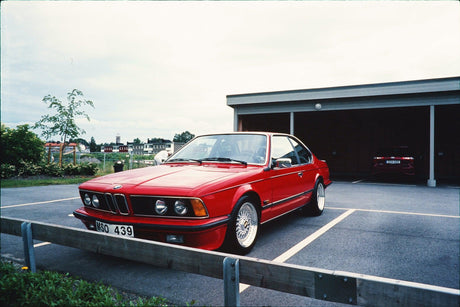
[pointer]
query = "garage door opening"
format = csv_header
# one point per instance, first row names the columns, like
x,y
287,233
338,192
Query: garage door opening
x,y
349,139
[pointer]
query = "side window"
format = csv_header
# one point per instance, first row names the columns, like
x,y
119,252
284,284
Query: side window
x,y
282,148
303,153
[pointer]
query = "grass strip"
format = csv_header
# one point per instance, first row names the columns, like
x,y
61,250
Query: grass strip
x,y
40,181
20,287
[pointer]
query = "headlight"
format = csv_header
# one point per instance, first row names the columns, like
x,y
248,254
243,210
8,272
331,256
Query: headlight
x,y
160,207
87,199
180,207
96,203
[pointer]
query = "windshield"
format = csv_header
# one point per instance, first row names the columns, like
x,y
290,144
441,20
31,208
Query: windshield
x,y
241,148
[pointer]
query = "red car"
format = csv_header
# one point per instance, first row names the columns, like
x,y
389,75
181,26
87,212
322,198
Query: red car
x,y
215,192
394,160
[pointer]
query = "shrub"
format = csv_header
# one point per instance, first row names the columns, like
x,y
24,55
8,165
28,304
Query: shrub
x,y
71,170
88,169
22,288
53,170
7,171
26,168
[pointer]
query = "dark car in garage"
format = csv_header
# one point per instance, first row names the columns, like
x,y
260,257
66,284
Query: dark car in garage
x,y
394,160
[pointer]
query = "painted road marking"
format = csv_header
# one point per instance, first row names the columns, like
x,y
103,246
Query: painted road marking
x,y
305,242
398,212
40,202
42,244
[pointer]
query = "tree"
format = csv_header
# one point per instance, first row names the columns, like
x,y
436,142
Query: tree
x,y
184,137
79,141
20,144
137,141
63,122
93,145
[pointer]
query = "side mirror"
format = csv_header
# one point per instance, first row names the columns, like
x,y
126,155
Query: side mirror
x,y
282,163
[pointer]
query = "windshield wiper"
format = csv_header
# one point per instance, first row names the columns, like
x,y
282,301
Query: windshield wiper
x,y
183,160
221,159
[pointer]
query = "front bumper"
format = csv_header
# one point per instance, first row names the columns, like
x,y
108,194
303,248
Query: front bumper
x,y
207,234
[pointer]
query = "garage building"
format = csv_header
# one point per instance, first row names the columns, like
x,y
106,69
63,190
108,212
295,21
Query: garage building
x,y
346,125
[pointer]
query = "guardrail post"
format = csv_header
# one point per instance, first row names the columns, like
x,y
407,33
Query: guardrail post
x,y
29,253
231,282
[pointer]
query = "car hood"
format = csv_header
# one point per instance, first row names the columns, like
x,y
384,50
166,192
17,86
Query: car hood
x,y
169,178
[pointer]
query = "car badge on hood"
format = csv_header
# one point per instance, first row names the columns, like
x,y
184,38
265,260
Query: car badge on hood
x,y
116,187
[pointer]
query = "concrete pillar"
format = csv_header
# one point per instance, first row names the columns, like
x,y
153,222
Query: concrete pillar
x,y
291,121
431,179
235,121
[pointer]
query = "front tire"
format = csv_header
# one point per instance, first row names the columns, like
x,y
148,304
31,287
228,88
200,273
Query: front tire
x,y
243,227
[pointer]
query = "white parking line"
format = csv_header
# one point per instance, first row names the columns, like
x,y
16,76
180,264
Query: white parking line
x,y
305,242
42,244
398,212
40,202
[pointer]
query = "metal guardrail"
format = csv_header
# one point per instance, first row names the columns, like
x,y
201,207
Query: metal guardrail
x,y
334,286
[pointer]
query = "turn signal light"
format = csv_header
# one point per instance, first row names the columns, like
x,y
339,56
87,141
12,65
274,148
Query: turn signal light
x,y
198,208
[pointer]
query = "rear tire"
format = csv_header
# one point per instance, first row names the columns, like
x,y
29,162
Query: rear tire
x,y
243,227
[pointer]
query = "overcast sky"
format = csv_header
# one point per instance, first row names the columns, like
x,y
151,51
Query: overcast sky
x,y
154,69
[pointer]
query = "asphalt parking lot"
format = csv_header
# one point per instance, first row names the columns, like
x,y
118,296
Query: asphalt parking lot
x,y
399,231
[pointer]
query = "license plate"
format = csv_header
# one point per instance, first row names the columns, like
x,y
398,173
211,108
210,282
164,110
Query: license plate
x,y
119,230
393,162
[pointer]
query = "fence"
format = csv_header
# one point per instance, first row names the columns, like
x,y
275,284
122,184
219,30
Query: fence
x,y
335,286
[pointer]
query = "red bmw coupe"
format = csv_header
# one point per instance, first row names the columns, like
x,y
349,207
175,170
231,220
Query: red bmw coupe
x,y
215,192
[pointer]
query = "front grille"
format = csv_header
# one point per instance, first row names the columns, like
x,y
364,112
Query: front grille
x,y
122,205
115,203
110,202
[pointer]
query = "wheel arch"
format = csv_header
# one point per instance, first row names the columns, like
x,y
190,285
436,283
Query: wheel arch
x,y
319,177
247,190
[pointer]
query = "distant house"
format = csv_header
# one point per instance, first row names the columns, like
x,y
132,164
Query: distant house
x,y
154,146
136,148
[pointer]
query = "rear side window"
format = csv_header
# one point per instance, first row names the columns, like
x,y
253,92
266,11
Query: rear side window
x,y
282,148
303,153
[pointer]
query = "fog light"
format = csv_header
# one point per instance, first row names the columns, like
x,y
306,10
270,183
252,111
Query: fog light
x,y
175,239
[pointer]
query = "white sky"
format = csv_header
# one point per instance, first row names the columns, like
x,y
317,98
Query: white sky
x,y
154,69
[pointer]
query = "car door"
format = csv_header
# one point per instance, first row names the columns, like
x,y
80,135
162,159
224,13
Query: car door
x,y
286,179
308,169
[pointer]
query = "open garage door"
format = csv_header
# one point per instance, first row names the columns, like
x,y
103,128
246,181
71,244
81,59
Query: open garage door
x,y
349,139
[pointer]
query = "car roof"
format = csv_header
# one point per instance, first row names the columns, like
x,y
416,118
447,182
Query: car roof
x,y
247,132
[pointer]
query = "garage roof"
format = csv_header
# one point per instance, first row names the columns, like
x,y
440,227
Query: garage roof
x,y
393,94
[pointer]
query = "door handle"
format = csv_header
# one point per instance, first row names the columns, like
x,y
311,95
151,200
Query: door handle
x,y
300,174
